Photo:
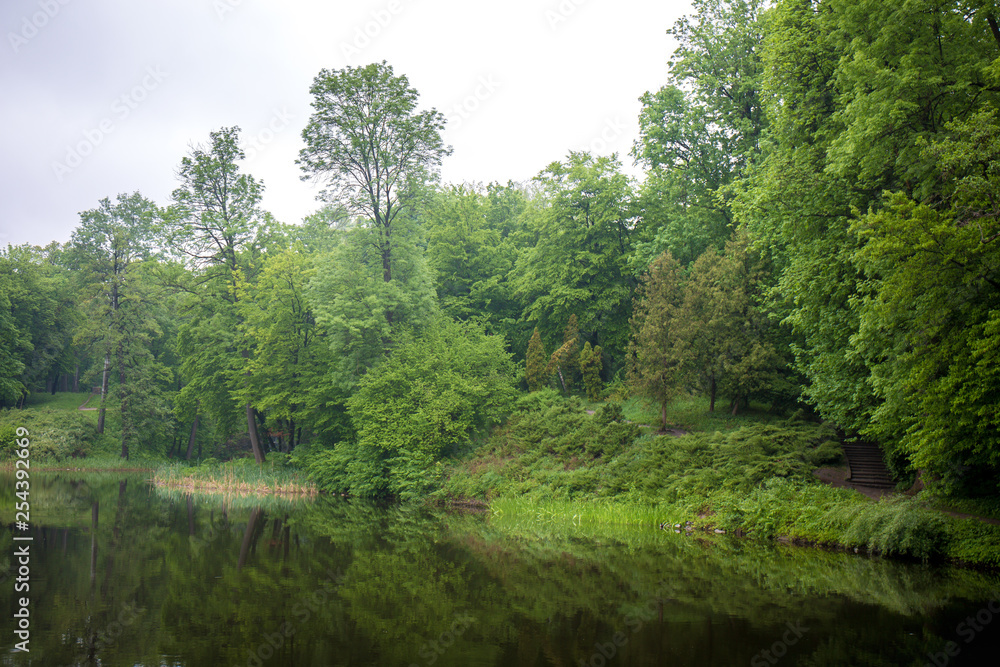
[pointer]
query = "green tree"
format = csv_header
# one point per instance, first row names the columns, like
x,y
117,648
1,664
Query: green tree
x,y
852,90
368,142
43,314
288,367
659,353
427,398
13,344
571,363
700,132
350,299
578,264
929,312
216,224
470,253
591,365
109,248
535,363
728,332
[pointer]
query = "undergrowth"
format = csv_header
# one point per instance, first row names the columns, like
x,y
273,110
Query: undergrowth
x,y
554,464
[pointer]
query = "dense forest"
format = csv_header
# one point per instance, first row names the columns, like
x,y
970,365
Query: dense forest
x,y
816,227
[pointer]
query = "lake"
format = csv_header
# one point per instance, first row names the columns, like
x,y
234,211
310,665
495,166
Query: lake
x,y
122,573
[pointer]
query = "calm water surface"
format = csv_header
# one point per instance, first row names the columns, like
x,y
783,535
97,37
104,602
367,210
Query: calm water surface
x,y
124,574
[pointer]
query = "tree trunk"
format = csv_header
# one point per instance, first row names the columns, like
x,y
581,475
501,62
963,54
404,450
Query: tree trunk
x,y
711,394
76,380
735,405
663,416
126,423
258,453
104,392
191,438
994,27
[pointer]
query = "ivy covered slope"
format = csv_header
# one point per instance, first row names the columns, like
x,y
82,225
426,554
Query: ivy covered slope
x,y
554,460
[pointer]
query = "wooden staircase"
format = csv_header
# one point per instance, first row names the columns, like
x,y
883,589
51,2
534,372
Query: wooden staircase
x,y
867,465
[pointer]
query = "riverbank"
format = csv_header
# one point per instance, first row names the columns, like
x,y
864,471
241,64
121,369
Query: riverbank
x,y
554,463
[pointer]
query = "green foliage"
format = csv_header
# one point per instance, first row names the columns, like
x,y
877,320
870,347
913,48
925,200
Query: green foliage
x,y
112,249
434,391
658,351
13,344
432,394
55,435
591,364
289,379
8,439
217,226
37,318
560,364
578,265
933,298
373,148
535,364
889,295
471,251
358,312
728,333
548,446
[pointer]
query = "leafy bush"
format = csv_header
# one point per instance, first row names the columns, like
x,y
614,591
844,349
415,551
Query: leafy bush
x,y
433,392
54,434
895,526
430,396
8,439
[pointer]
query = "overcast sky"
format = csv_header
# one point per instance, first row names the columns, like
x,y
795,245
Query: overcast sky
x,y
102,97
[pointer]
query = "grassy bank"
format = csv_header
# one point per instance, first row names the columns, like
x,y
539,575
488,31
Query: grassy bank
x,y
553,463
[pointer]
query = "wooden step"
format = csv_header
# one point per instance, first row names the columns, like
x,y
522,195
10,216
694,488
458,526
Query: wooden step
x,y
867,465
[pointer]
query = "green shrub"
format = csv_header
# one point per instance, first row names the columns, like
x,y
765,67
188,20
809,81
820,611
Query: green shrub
x,y
54,434
8,440
898,526
433,395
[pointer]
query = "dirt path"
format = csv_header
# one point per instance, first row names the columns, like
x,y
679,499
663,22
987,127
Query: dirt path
x,y
838,477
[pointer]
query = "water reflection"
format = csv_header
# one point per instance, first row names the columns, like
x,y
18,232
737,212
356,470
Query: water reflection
x,y
124,574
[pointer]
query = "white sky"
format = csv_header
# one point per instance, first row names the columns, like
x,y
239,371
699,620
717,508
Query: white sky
x,y
101,97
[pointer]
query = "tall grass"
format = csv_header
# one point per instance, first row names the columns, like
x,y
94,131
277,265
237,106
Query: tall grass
x,y
238,477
